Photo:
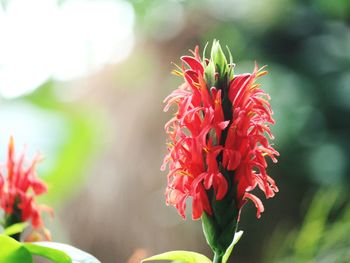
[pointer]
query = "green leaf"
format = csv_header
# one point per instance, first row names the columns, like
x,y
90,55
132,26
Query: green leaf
x,y
54,255
228,252
183,256
75,255
15,228
13,252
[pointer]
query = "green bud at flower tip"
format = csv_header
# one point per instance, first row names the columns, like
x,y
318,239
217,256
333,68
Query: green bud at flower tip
x,y
218,57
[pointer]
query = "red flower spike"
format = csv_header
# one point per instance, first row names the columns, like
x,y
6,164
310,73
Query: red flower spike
x,y
19,188
217,137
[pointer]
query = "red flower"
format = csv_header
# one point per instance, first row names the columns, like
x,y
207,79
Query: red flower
x,y
18,189
217,135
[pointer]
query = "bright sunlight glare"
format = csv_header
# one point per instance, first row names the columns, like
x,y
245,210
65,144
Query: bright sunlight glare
x,y
40,40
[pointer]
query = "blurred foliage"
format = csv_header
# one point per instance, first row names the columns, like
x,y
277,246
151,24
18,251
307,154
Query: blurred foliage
x,y
323,235
77,147
72,126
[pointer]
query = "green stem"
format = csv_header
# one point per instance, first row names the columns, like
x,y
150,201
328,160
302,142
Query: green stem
x,y
217,258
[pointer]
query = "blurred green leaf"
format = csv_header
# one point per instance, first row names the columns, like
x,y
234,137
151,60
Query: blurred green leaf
x,y
15,228
74,254
67,174
315,223
323,236
79,144
180,255
54,255
12,251
4,4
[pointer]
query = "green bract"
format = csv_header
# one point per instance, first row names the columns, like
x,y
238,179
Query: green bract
x,y
218,56
219,71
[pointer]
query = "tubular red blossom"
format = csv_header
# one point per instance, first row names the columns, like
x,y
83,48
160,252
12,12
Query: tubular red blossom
x,y
19,188
217,137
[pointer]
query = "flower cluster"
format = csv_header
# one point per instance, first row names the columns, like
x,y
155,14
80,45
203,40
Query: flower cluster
x,y
18,188
217,137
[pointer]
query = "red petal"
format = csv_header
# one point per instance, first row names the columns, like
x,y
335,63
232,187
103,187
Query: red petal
x,y
197,208
193,63
38,187
222,125
236,85
234,160
208,181
222,186
257,202
10,159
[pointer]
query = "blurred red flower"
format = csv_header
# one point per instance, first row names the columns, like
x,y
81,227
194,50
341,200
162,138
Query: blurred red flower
x,y
18,188
217,137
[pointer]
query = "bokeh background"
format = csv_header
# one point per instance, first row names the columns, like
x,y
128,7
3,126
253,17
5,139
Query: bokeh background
x,y
83,83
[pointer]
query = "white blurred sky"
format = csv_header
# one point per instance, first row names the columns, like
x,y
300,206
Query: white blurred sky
x,y
40,39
